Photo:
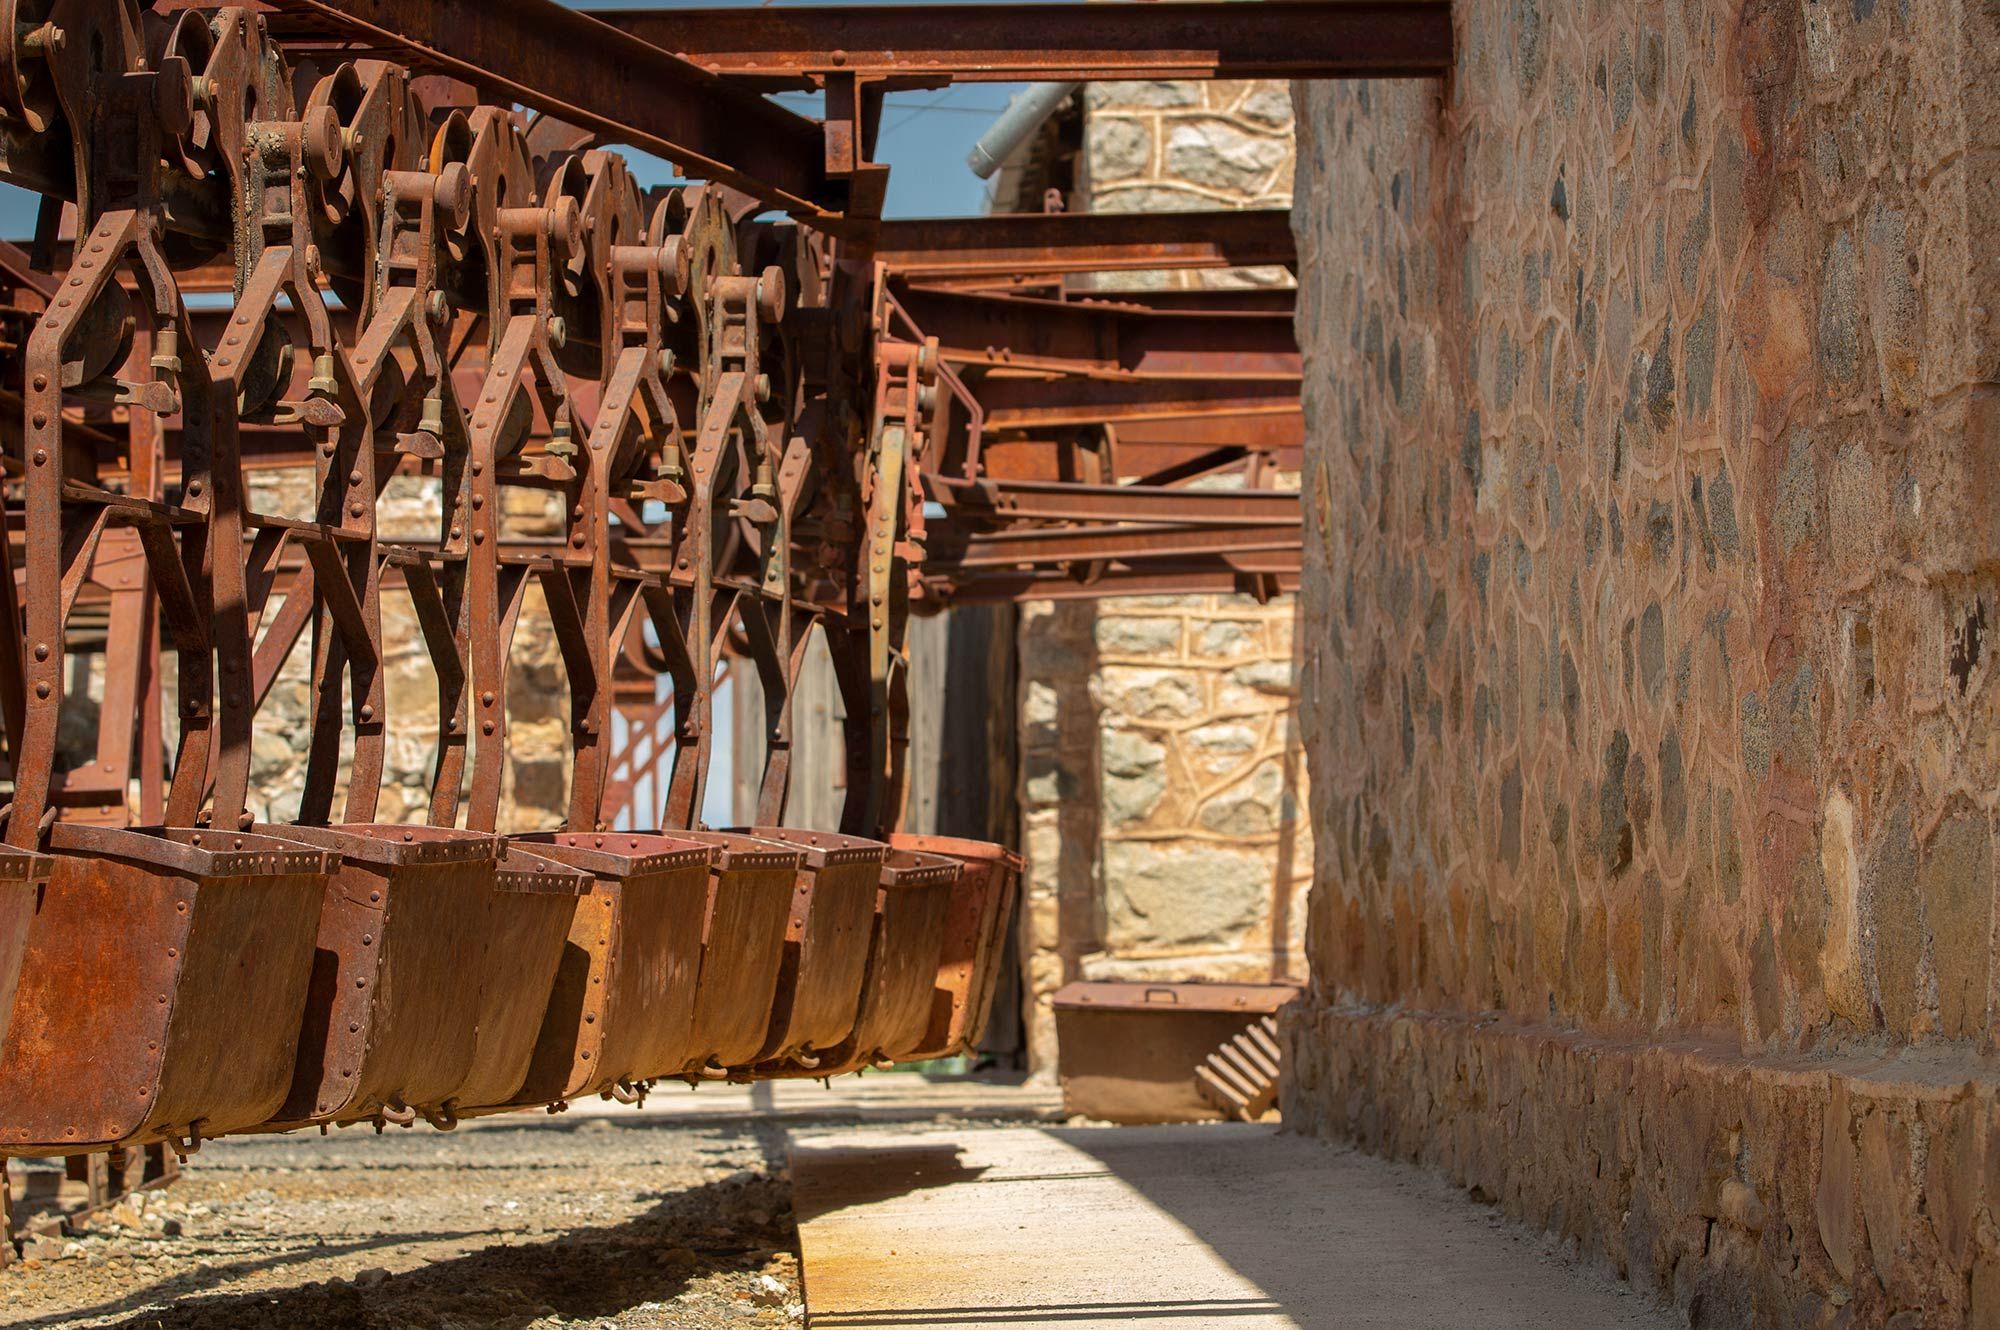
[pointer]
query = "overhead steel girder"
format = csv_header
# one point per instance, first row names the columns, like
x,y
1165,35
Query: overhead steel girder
x,y
1019,403
1287,39
1009,501
1031,244
1088,337
550,58
1149,580
1126,542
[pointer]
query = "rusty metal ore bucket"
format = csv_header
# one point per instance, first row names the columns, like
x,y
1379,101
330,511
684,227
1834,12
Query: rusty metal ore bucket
x,y
392,1008
912,909
982,903
826,942
529,917
22,876
750,889
622,1001
161,987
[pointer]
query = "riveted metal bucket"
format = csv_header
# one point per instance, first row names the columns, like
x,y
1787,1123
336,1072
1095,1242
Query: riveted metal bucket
x,y
622,1002
529,917
160,989
912,907
750,889
392,1008
22,875
982,903
826,941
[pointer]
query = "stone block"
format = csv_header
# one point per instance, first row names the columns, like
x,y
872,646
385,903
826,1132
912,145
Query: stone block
x,y
1148,637
1142,693
1217,155
1167,894
1118,147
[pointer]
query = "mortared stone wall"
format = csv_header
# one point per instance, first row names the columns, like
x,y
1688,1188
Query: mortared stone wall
x,y
1653,570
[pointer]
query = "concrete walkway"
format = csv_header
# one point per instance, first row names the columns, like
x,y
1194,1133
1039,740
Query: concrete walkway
x,y
1232,1226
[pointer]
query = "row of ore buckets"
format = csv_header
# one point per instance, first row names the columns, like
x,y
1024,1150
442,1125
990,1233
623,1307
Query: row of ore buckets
x,y
176,985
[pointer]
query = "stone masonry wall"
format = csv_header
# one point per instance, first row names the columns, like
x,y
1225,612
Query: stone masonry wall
x,y
1162,782
1652,562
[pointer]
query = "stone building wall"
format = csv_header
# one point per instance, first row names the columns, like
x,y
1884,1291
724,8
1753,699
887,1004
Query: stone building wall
x,y
1161,779
1652,566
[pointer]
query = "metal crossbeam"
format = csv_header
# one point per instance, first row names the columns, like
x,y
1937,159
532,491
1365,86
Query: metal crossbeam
x,y
1035,244
797,46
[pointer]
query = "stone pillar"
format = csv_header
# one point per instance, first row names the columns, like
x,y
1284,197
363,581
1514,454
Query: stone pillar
x,y
1161,777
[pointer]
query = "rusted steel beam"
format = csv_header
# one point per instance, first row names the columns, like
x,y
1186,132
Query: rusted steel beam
x,y
1016,403
550,58
1205,441
993,500
1125,542
1032,244
1148,580
794,46
1082,337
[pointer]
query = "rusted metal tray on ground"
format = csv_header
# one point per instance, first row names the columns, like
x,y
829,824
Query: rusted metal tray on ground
x,y
743,947
161,987
622,999
826,942
912,905
982,904
1127,1052
529,915
393,1003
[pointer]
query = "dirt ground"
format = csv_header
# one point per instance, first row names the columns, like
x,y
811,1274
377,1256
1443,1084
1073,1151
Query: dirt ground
x,y
524,1223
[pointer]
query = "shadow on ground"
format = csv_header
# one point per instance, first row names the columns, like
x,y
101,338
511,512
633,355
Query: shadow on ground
x,y
583,1274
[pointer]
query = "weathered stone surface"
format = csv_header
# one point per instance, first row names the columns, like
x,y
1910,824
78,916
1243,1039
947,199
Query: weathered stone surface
x,y
1254,806
1702,475
1119,149
1180,896
1220,156
1956,883
1118,636
1150,694
1135,776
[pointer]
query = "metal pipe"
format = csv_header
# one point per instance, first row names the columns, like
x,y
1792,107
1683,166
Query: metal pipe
x,y
1023,116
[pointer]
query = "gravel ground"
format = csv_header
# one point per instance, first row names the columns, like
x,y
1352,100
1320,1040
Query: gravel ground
x,y
526,1223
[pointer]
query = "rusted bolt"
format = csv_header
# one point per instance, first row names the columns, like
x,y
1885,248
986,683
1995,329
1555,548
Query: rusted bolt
x,y
45,40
